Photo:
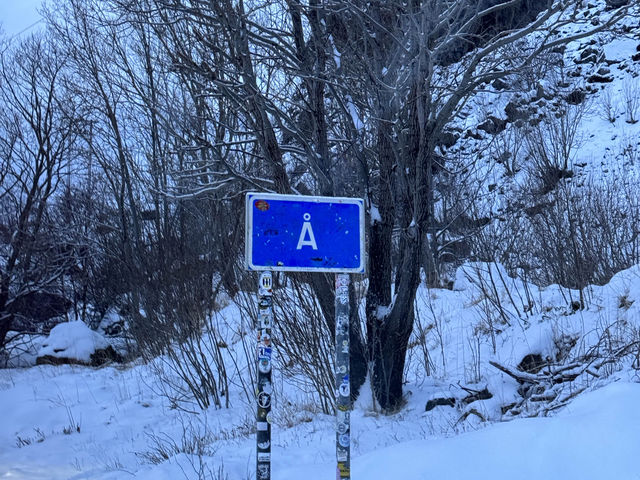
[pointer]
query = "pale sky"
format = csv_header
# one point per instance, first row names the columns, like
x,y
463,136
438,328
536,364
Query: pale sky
x,y
17,15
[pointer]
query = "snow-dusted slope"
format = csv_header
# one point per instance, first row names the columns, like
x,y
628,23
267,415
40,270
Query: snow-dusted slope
x,y
72,422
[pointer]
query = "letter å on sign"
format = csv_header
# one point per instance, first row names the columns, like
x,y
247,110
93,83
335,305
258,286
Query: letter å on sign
x,y
304,233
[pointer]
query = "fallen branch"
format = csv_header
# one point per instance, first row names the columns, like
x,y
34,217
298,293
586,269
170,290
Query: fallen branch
x,y
521,377
471,411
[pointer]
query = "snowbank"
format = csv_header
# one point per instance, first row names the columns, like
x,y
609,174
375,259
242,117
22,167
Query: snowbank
x,y
595,438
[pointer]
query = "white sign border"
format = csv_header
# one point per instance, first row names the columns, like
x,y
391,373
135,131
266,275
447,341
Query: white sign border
x,y
248,243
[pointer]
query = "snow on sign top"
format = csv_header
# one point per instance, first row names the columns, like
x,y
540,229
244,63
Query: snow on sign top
x,y
304,234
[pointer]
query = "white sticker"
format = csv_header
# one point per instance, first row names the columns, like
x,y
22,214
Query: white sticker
x,y
266,284
342,455
264,457
265,322
263,426
343,416
267,387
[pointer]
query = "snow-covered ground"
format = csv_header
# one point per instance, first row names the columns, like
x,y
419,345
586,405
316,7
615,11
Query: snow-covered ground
x,y
74,422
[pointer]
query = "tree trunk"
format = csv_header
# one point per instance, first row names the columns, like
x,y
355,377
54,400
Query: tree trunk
x,y
5,326
393,327
390,319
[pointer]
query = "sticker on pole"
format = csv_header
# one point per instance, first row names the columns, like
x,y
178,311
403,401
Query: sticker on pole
x,y
305,234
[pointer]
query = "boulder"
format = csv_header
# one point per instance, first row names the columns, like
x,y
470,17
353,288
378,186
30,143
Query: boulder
x,y
617,3
531,363
516,15
590,55
597,78
105,355
576,97
447,139
500,84
515,111
493,125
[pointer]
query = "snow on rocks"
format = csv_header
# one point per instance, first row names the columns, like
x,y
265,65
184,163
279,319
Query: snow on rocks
x,y
75,343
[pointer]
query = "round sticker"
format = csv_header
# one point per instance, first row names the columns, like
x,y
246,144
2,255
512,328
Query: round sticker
x,y
344,389
264,365
342,428
264,400
344,440
262,205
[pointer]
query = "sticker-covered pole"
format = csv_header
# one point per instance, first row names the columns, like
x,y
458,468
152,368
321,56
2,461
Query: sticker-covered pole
x,y
343,391
264,387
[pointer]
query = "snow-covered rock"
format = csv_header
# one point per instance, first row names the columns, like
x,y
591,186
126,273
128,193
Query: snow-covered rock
x,y
75,342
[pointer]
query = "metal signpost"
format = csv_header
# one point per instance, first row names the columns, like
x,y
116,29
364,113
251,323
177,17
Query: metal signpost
x,y
304,234
264,389
343,389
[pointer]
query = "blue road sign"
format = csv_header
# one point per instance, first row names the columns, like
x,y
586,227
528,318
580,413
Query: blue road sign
x,y
305,234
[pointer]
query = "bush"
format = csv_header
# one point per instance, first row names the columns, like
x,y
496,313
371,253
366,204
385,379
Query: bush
x,y
582,234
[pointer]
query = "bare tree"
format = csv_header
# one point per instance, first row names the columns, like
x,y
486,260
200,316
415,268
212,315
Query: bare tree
x,y
414,65
38,127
